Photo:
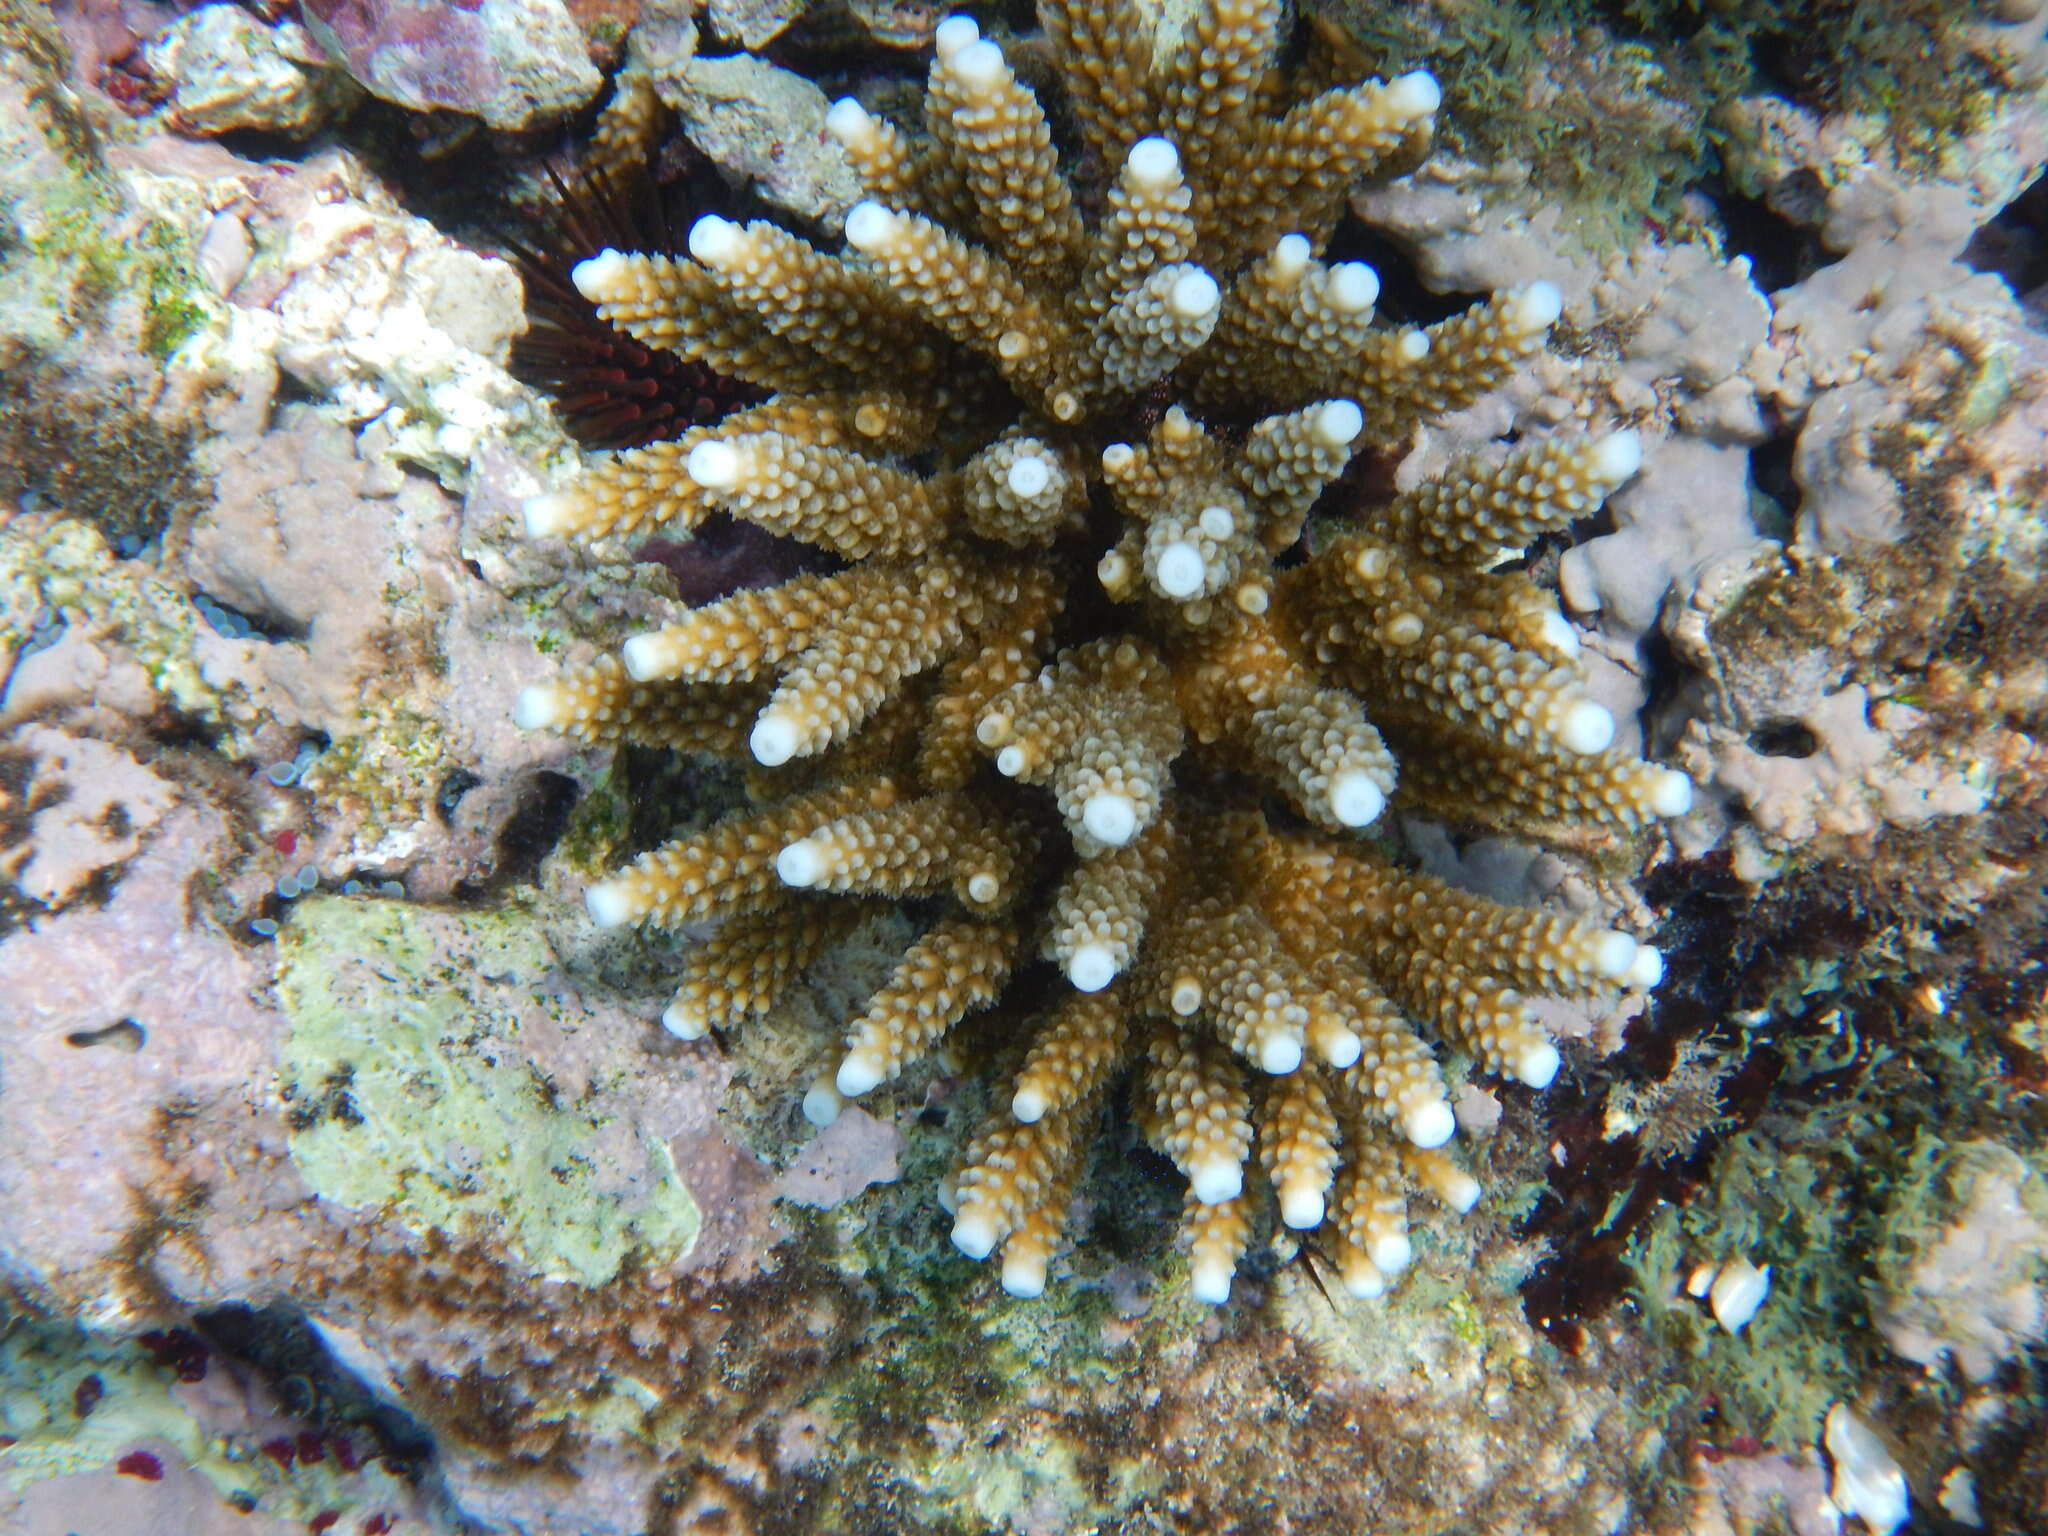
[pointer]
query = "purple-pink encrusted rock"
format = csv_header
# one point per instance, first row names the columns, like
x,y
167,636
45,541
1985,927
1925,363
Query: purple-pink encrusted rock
x,y
513,63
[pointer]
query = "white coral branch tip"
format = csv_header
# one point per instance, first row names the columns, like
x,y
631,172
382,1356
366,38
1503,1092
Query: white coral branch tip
x,y
715,241
1537,1064
550,513
1738,1291
596,276
1302,1206
1559,633
974,1233
1536,308
1429,1124
1091,967
1647,969
870,227
850,123
1029,476
954,34
1024,1274
1451,1185
1672,794
1614,954
539,708
1028,1106
1391,1252
1291,256
1194,295
1209,1278
610,903
1338,423
1586,728
1415,94
1153,163
858,1073
648,658
685,1023
1181,571
774,739
1279,1054
979,66
1353,287
1361,1279
823,1102
1617,456
1354,799
714,465
1110,817
1340,1047
1216,1178
802,864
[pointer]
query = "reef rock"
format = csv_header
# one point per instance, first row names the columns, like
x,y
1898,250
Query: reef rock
x,y
513,63
766,125
227,71
1969,1288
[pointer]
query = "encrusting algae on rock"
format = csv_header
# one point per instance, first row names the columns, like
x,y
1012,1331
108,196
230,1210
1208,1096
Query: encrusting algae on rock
x,y
1079,676
400,1100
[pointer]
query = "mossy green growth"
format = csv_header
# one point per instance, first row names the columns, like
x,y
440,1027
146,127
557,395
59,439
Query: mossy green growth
x,y
1829,1191
952,1349
67,568
388,769
1613,129
593,843
79,246
1613,103
408,1089
175,303
83,252
948,1347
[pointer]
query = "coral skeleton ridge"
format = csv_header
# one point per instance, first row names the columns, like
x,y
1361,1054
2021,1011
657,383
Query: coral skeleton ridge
x,y
1075,676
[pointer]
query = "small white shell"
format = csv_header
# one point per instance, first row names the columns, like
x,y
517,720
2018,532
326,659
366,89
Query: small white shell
x,y
1738,1291
1868,1483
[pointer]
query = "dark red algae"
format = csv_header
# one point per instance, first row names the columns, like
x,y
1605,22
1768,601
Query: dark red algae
x,y
142,1464
1592,1174
178,1350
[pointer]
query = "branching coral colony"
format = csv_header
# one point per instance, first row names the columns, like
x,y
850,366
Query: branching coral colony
x,y
1072,679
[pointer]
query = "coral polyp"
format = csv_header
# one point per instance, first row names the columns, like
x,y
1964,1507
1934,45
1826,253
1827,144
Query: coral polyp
x,y
1081,680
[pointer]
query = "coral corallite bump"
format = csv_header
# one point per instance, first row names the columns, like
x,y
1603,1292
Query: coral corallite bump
x,y
1073,683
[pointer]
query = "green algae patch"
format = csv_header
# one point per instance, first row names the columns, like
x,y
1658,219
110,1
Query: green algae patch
x,y
409,1089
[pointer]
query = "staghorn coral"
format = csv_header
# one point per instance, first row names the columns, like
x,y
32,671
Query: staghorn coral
x,y
1077,678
